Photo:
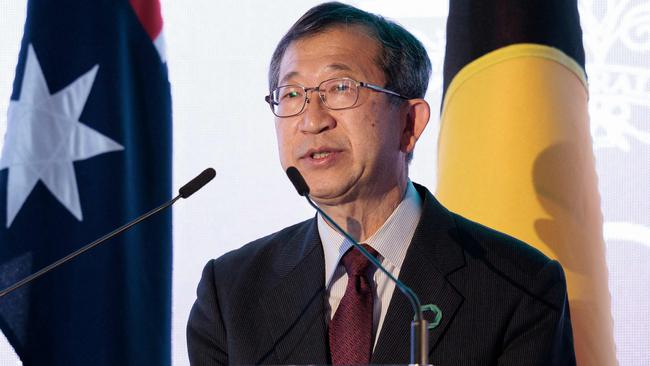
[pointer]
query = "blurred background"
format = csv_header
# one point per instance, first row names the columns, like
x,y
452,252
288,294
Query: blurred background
x,y
217,57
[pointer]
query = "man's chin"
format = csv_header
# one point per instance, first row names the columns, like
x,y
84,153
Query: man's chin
x,y
331,196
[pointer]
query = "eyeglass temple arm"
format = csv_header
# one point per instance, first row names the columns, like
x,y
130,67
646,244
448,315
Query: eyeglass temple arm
x,y
267,98
380,89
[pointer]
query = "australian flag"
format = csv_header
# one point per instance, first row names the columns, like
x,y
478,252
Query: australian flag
x,y
87,148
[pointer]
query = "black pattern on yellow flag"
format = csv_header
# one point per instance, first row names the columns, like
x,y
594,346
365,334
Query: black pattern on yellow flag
x,y
515,150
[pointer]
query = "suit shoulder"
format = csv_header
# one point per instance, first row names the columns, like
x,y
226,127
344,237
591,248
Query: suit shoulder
x,y
501,249
260,255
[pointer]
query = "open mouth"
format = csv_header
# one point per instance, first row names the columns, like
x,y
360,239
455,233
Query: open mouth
x,y
320,155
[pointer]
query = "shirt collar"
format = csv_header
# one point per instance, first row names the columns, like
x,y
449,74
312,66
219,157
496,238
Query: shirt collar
x,y
391,240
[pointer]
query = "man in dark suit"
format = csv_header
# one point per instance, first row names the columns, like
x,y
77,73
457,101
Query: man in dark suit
x,y
346,89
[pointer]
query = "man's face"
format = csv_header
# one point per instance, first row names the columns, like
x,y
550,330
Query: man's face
x,y
344,155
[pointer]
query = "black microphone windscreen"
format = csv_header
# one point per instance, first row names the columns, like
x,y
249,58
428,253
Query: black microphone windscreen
x,y
197,183
298,181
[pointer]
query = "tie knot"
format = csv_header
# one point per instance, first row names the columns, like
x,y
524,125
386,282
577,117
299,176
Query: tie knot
x,y
355,263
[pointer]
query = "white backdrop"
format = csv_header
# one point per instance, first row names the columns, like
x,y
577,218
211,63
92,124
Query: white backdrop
x,y
218,53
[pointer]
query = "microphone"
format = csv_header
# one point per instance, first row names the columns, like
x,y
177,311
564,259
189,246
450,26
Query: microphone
x,y
419,326
299,182
185,191
197,183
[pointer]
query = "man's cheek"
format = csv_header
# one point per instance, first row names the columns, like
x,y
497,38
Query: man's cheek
x,y
284,150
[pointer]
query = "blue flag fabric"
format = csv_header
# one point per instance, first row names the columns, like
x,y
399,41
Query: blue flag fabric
x,y
87,148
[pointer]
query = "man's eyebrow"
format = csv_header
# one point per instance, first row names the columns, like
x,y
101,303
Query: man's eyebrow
x,y
287,77
330,67
338,67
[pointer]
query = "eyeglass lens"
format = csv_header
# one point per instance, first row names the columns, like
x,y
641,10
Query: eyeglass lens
x,y
289,100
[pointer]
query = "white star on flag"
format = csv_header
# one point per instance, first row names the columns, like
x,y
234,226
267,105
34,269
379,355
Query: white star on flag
x,y
44,137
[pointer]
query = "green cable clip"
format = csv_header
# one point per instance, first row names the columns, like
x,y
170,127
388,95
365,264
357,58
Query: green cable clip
x,y
437,315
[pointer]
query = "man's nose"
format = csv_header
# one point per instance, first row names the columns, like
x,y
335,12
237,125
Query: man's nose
x,y
316,117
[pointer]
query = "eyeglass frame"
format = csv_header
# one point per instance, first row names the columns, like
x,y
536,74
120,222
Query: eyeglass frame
x,y
317,88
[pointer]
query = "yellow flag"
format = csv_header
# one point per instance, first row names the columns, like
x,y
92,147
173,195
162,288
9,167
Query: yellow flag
x,y
515,150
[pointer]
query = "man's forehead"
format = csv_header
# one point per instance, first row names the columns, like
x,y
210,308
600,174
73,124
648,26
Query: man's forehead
x,y
337,49
292,74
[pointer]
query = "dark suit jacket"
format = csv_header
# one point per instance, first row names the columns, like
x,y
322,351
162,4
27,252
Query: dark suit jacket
x,y
502,301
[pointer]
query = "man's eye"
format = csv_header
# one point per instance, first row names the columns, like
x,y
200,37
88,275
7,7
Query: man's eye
x,y
343,87
291,94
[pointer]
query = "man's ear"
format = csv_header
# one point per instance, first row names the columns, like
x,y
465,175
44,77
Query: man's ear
x,y
416,113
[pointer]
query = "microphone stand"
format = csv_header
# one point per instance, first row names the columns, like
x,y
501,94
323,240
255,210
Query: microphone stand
x,y
184,192
419,326
85,248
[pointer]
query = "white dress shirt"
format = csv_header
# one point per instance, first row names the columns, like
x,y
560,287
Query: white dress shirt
x,y
391,241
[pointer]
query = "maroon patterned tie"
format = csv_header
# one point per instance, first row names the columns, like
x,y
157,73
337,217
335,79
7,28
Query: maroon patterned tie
x,y
350,330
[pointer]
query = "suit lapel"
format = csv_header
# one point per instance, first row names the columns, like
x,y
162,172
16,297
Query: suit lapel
x,y
294,306
430,258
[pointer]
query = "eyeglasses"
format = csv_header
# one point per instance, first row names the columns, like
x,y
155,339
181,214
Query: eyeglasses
x,y
336,94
